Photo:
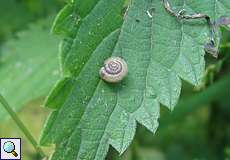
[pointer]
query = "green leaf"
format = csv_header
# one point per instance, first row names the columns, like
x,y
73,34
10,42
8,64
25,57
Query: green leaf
x,y
160,50
28,66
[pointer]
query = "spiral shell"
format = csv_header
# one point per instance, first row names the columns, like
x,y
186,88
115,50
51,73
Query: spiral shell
x,y
114,70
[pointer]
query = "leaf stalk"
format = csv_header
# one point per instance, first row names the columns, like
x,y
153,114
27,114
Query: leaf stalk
x,y
21,126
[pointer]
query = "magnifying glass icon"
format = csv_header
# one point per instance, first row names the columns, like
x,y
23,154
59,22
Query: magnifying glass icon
x,y
9,147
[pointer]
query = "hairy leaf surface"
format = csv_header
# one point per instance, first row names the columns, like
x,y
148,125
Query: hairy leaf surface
x,y
28,66
160,50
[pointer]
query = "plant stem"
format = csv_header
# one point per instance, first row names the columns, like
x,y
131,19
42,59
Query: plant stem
x,y
21,125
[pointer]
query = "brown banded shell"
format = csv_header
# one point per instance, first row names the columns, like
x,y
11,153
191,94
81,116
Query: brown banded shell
x,y
114,70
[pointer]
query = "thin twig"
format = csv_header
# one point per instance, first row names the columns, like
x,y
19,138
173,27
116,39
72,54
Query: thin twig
x,y
181,15
21,125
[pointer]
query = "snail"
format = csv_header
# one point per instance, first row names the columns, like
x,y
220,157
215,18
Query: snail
x,y
114,70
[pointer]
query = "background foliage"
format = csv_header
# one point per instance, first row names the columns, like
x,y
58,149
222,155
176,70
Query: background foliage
x,y
197,129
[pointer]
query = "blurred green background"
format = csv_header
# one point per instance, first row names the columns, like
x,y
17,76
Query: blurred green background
x,y
198,129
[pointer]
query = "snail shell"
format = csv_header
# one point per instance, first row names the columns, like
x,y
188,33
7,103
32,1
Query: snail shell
x,y
114,70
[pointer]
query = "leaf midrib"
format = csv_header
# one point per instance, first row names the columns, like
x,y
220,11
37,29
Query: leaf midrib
x,y
72,89
92,49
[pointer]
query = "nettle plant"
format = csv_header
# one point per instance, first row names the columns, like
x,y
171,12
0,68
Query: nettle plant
x,y
120,61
